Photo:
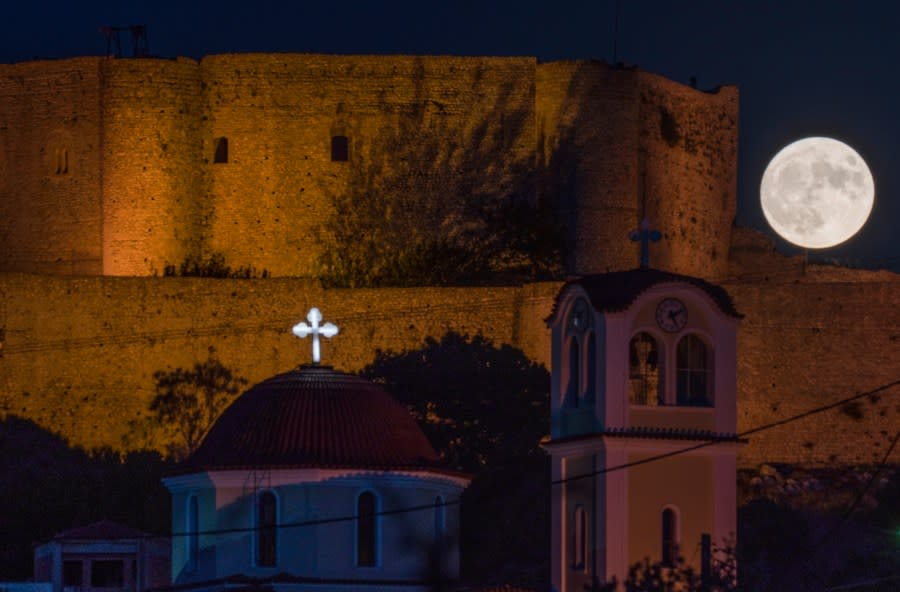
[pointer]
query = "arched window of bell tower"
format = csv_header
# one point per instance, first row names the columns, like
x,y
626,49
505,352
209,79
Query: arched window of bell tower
x,y
645,377
693,363
573,386
579,539
590,383
671,536
578,387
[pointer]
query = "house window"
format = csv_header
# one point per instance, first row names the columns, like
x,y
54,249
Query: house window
x,y
221,154
73,572
266,529
366,551
644,384
193,538
669,537
340,149
107,573
579,539
692,375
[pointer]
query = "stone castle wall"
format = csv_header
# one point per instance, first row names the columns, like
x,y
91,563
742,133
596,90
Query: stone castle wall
x,y
50,163
153,181
78,354
612,145
107,168
811,341
620,145
272,201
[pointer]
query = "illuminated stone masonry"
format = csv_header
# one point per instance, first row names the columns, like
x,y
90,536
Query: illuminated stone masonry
x,y
120,167
124,166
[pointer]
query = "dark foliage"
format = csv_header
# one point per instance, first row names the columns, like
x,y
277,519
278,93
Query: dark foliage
x,y
485,409
820,537
213,266
190,400
479,405
49,486
437,201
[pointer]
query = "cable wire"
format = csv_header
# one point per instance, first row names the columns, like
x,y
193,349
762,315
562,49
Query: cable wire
x,y
744,434
418,508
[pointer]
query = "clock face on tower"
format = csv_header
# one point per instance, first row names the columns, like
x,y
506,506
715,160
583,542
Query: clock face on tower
x,y
671,315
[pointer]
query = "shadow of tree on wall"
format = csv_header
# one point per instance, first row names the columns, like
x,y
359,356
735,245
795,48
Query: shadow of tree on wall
x,y
50,486
442,198
187,403
485,409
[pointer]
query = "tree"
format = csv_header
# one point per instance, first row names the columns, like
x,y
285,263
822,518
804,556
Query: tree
x,y
190,400
485,409
479,405
440,198
656,576
50,486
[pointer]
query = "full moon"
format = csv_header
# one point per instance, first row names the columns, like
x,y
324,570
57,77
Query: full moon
x,y
817,192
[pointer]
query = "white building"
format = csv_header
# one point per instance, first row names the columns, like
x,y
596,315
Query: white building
x,y
315,479
101,557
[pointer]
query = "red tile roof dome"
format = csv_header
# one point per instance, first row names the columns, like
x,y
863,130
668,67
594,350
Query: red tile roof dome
x,y
314,416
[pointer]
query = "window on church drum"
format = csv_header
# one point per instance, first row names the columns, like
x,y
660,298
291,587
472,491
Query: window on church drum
x,y
644,379
440,519
193,538
221,154
266,529
692,372
340,149
72,572
107,573
366,534
579,538
669,537
573,388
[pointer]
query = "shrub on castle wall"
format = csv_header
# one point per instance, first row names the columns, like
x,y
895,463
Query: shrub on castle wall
x,y
213,266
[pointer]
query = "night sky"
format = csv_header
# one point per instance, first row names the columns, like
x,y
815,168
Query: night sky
x,y
803,68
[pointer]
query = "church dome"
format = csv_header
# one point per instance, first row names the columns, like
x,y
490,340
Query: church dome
x,y
315,417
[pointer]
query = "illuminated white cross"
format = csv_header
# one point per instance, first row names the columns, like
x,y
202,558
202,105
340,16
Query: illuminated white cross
x,y
301,330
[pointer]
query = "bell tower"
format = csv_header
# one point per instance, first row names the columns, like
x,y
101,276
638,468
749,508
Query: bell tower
x,y
644,366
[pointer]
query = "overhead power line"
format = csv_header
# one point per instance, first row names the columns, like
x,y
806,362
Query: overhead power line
x,y
424,507
744,434
119,339
827,537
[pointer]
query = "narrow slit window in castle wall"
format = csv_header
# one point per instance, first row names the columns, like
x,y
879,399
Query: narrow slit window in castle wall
x,y
62,161
221,155
340,151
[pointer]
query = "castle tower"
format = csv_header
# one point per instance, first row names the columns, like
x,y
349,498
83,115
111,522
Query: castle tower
x,y
644,364
617,145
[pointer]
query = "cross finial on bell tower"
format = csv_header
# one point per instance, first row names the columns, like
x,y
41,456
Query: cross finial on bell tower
x,y
646,234
328,330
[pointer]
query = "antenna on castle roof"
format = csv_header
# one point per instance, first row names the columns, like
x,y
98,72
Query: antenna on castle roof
x,y
140,43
